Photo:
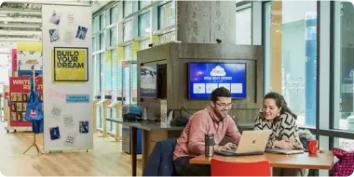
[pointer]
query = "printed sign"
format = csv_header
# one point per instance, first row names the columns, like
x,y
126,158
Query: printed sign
x,y
70,64
77,98
22,84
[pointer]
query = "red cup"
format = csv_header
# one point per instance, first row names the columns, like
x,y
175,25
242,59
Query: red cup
x,y
312,147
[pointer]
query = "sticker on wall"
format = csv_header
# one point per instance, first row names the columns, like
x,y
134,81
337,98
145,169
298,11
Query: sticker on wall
x,y
84,127
54,133
70,139
56,111
70,18
81,32
53,35
68,36
68,121
55,18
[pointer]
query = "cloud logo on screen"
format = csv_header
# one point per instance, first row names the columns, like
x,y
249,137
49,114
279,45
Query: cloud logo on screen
x,y
218,71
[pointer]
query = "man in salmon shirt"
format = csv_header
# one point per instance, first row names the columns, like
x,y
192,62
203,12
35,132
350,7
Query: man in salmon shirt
x,y
214,119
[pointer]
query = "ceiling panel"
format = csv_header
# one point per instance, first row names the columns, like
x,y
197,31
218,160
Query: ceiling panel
x,y
20,21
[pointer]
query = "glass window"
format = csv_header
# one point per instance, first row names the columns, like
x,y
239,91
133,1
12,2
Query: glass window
x,y
298,57
108,17
115,72
113,36
346,144
167,16
101,40
98,74
97,42
96,24
130,82
114,14
128,30
108,73
343,66
128,7
128,55
143,3
144,24
243,26
120,10
134,83
94,45
101,22
119,86
267,46
144,44
102,88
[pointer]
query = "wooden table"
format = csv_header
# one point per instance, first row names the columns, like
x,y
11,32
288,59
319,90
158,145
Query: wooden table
x,y
148,127
323,160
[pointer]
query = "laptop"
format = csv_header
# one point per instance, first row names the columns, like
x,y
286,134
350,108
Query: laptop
x,y
252,142
285,151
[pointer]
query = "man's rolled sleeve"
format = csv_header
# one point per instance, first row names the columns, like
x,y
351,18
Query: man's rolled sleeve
x,y
232,132
196,144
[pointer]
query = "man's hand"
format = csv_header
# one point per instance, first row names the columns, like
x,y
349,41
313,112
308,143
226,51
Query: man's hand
x,y
229,146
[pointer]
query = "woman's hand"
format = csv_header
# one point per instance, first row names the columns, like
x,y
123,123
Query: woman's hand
x,y
284,144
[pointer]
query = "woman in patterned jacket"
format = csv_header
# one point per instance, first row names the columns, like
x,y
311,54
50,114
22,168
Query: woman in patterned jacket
x,y
276,116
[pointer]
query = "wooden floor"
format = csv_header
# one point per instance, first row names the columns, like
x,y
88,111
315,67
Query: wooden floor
x,y
106,159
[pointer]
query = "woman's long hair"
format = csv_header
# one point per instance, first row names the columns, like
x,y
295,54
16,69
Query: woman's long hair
x,y
280,102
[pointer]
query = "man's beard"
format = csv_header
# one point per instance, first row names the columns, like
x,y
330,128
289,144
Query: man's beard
x,y
220,114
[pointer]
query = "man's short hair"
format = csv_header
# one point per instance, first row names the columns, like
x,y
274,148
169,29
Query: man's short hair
x,y
220,92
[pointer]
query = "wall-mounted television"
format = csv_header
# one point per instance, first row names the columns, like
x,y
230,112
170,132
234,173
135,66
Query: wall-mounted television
x,y
204,77
148,81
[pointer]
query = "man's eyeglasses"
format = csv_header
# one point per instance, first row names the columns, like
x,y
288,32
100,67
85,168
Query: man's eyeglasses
x,y
224,105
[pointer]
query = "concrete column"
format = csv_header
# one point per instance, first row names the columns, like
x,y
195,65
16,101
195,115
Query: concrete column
x,y
206,21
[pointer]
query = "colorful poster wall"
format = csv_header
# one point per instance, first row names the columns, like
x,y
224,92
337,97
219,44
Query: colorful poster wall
x,y
67,77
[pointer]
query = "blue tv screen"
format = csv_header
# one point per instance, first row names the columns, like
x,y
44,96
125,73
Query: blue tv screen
x,y
206,77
